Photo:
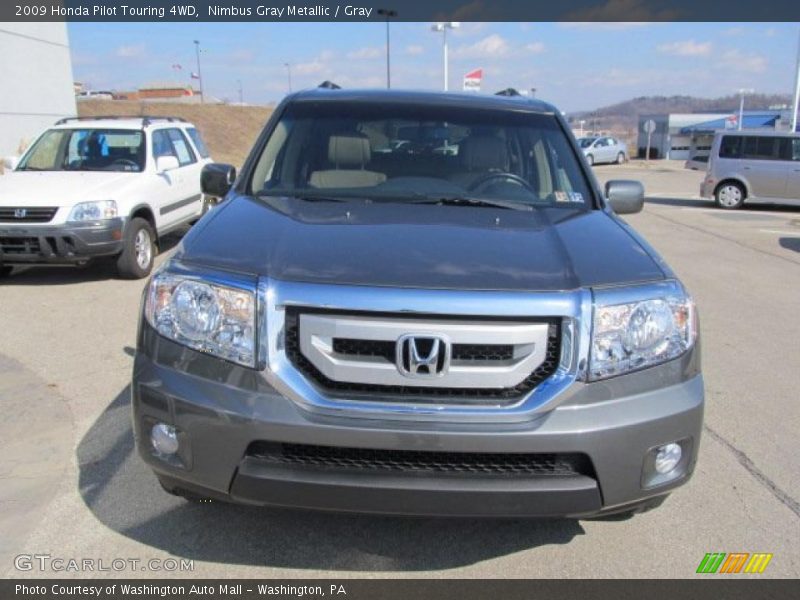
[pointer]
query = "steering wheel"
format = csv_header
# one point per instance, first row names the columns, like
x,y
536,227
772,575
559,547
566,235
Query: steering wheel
x,y
126,162
512,177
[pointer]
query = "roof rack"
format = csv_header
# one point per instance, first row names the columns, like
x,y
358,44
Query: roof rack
x,y
329,85
146,119
508,92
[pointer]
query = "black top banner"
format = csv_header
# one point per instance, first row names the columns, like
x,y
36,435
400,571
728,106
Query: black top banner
x,y
399,10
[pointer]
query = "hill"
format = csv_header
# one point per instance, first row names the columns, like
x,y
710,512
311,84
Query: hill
x,y
228,130
624,116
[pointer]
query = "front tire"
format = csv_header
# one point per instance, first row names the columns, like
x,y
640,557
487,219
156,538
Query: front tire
x,y
620,158
138,250
590,160
730,195
5,271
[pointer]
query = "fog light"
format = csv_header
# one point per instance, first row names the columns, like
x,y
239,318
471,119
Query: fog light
x,y
667,458
164,439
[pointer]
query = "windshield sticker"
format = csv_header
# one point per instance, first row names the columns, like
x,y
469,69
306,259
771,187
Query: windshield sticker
x,y
561,197
576,197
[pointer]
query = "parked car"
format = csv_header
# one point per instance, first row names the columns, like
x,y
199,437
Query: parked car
x,y
101,187
697,163
414,332
603,150
757,166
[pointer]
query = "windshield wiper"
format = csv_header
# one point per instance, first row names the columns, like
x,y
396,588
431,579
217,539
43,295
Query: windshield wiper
x,y
445,200
306,197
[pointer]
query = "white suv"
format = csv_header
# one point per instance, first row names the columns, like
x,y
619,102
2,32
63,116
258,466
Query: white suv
x,y
101,187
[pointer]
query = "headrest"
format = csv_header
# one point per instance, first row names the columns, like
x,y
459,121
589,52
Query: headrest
x,y
482,153
348,150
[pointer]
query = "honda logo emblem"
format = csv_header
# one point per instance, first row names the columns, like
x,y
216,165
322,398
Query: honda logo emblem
x,y
20,213
422,356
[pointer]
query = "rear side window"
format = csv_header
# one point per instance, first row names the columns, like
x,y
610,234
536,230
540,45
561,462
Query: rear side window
x,y
171,142
202,149
730,146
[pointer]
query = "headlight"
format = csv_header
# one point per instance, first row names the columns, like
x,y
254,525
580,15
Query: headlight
x,y
93,211
206,316
633,335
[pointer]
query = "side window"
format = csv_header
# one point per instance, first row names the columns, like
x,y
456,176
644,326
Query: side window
x,y
161,144
202,149
760,148
730,147
795,148
182,149
790,149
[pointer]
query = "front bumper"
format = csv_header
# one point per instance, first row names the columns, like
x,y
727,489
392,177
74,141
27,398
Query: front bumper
x,y
60,244
221,410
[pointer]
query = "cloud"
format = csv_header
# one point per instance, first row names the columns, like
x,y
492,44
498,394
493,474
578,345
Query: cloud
x,y
535,47
685,48
492,46
414,50
736,59
132,51
367,53
315,65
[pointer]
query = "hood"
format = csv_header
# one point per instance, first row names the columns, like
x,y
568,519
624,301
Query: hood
x,y
424,246
61,188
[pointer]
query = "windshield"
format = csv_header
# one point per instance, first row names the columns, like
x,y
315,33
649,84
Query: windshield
x,y
586,142
420,153
87,150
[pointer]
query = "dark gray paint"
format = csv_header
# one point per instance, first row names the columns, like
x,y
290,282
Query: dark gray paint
x,y
442,247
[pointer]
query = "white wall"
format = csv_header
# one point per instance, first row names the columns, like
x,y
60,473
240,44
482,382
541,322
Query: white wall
x,y
35,81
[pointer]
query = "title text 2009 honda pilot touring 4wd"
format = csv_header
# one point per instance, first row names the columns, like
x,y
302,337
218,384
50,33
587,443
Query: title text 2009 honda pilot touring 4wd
x,y
418,303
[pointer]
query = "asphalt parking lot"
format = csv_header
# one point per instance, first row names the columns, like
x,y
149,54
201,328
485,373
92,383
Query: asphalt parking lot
x,y
73,487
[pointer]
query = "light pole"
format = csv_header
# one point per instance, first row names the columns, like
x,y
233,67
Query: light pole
x,y
199,74
796,89
388,13
443,27
582,121
289,75
742,93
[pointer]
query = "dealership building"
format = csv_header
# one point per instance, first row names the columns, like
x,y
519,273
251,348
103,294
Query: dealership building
x,y
37,81
680,136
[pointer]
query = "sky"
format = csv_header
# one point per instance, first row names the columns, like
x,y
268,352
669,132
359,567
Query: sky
x,y
576,66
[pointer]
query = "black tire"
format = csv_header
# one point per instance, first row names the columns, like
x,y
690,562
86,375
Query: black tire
x,y
620,158
590,160
5,271
138,250
730,195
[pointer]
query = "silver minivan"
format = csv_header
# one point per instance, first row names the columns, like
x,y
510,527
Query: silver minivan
x,y
753,166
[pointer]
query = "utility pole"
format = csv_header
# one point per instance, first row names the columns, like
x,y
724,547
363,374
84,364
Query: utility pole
x,y
443,27
199,74
388,13
289,75
796,88
742,93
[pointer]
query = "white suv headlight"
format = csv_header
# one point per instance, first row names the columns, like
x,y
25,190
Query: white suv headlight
x,y
93,211
203,315
650,329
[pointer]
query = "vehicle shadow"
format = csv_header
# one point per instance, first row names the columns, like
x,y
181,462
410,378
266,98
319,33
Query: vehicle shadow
x,y
790,243
704,203
124,495
101,269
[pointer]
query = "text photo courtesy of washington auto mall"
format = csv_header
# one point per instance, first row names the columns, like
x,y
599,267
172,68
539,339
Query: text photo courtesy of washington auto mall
x,y
392,300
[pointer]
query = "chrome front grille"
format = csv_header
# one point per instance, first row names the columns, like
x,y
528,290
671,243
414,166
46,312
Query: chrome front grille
x,y
357,355
26,214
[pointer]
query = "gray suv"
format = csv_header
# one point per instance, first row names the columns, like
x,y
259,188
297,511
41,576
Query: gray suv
x,y
420,304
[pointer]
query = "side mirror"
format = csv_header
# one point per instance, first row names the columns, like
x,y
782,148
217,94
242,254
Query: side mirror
x,y
216,179
10,162
625,197
166,163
